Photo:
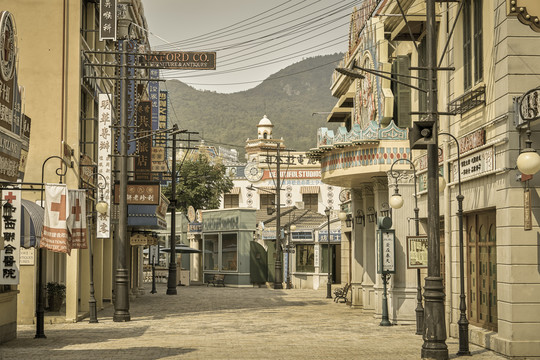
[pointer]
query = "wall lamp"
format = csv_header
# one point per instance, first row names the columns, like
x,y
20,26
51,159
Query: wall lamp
x,y
528,161
360,218
372,214
348,220
385,210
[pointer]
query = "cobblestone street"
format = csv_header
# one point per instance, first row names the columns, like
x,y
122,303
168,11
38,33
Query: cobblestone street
x,y
227,323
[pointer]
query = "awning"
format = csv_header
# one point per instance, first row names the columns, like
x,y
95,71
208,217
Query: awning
x,y
309,190
31,223
181,249
235,190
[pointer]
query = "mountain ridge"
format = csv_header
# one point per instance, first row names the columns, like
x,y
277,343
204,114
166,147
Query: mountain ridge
x,y
288,97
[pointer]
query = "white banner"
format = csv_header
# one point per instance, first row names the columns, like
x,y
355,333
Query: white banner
x,y
76,221
11,230
55,233
104,164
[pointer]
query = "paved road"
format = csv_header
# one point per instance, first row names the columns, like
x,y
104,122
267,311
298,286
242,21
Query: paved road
x,y
228,323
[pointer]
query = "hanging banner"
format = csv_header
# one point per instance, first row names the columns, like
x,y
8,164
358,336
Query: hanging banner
x,y
104,163
107,20
76,221
55,232
11,231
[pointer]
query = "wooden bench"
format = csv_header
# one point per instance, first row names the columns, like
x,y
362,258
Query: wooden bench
x,y
216,280
341,293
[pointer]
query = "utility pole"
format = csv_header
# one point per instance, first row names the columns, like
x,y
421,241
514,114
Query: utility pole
x,y
121,304
278,277
434,346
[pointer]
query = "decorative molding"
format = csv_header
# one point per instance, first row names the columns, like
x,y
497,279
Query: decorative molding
x,y
521,8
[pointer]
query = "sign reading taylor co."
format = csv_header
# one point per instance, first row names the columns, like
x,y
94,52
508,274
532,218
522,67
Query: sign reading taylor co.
x,y
182,60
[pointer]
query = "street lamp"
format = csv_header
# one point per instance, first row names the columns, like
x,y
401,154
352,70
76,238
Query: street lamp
x,y
101,208
329,283
396,202
463,323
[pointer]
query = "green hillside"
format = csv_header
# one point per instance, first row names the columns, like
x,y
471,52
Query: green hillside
x,y
288,97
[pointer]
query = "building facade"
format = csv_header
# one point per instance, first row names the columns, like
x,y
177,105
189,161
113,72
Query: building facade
x,y
490,55
63,89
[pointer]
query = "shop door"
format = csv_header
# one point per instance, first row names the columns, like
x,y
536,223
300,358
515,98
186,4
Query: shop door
x,y
336,264
482,269
258,263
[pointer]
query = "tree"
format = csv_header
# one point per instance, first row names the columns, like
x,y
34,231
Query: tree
x,y
200,184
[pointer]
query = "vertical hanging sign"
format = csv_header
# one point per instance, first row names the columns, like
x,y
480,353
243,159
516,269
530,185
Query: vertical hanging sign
x,y
104,162
153,93
143,164
11,231
107,20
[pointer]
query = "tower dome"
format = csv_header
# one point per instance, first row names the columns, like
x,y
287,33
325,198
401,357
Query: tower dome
x,y
265,127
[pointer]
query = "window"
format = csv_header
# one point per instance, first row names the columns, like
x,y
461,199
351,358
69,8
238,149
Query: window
x,y
211,252
311,201
472,42
402,93
267,200
231,201
229,252
305,258
482,269
422,74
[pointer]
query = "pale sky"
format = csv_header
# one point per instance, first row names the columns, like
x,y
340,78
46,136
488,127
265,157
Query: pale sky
x,y
253,38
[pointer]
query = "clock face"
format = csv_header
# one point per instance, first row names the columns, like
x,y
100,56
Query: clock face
x,y
7,46
344,195
253,172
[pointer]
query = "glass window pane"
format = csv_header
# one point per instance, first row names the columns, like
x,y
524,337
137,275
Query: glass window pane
x,y
211,252
305,258
229,250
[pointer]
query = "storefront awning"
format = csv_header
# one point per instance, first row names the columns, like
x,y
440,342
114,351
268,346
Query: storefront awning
x,y
309,190
234,191
31,223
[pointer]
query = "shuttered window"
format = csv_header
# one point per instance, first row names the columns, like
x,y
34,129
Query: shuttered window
x,y
478,42
402,93
472,42
422,74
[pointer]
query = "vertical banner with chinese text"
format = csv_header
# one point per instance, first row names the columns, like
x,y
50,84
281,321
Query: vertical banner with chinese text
x,y
143,164
76,221
104,163
107,20
11,231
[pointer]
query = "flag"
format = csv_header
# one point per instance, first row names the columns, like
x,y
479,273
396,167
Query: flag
x,y
76,221
55,232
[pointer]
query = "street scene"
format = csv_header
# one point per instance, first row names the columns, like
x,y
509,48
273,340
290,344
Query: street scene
x,y
286,179
228,323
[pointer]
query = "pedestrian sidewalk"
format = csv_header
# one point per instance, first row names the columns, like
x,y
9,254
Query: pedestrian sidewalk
x,y
228,323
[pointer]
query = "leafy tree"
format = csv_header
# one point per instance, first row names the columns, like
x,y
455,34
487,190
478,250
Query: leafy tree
x,y
200,184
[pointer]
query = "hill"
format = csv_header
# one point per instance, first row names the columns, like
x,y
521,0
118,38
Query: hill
x,y
288,97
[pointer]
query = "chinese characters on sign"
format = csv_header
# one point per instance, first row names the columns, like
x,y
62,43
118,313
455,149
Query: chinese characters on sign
x,y
386,250
143,162
11,230
417,252
144,194
107,20
104,162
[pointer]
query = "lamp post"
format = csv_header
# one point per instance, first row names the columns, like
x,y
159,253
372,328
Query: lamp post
x,y
101,208
463,323
434,346
396,202
329,282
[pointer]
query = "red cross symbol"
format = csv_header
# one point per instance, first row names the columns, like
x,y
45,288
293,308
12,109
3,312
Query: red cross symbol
x,y
76,210
60,207
10,197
